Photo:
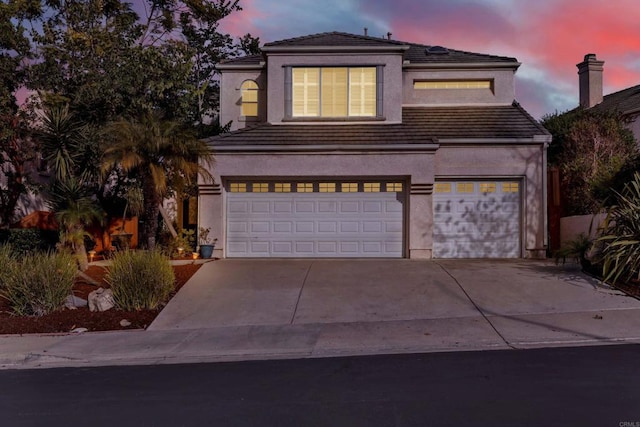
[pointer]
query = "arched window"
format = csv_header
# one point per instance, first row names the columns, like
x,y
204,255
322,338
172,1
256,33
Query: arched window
x,y
249,92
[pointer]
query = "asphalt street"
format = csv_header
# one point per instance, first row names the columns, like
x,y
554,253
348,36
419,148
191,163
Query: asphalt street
x,y
579,386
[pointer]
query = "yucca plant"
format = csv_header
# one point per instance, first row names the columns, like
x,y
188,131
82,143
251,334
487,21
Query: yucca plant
x,y
621,238
140,279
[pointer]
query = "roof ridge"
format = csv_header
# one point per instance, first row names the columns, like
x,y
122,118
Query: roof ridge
x,y
536,123
335,33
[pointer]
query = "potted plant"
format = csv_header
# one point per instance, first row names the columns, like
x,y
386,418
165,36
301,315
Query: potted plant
x,y
206,244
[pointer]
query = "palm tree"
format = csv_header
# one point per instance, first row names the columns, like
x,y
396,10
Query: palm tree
x,y
75,210
164,154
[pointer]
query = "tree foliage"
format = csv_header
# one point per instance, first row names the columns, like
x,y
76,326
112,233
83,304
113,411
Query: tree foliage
x,y
164,154
96,62
591,148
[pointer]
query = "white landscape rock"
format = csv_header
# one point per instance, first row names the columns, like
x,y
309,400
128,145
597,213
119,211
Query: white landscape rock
x,y
124,323
101,300
73,302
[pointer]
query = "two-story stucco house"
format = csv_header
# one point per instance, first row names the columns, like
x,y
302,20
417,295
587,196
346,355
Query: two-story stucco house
x,y
352,146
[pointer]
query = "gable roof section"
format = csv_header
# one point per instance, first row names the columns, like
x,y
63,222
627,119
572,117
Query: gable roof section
x,y
625,101
420,125
414,53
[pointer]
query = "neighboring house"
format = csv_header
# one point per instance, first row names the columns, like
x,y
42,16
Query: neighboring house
x,y
626,101
352,146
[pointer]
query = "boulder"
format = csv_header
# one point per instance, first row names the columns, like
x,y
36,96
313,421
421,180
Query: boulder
x,y
73,302
101,300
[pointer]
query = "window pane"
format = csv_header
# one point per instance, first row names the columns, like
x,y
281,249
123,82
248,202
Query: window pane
x,y
371,187
487,187
510,187
453,84
249,93
249,110
260,187
306,92
304,187
443,187
327,187
349,187
362,91
238,187
282,187
394,186
334,92
464,187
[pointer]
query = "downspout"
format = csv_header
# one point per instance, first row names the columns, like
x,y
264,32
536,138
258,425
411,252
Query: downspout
x,y
545,196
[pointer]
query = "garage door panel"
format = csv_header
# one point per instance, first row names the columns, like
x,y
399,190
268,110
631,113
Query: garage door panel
x,y
304,207
315,225
477,224
283,207
327,227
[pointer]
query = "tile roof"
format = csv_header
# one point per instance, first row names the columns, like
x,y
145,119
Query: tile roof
x,y
416,53
420,125
624,101
245,60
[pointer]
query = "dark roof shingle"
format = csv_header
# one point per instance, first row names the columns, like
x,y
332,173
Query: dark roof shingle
x,y
420,125
416,53
624,101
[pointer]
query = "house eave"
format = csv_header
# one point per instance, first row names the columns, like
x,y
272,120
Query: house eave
x,y
535,140
242,67
324,148
464,66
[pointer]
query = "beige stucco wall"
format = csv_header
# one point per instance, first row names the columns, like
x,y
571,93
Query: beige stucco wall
x,y
231,99
392,80
412,167
524,163
572,226
503,87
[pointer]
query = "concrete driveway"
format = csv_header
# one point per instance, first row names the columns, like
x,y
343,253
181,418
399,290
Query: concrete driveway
x,y
372,306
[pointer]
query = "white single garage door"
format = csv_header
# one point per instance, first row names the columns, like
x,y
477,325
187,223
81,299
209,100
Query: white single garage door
x,y
315,219
479,219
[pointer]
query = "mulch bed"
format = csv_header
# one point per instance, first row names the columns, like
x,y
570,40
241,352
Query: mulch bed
x,y
66,320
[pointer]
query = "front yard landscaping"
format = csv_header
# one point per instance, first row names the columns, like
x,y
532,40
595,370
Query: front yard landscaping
x,y
66,320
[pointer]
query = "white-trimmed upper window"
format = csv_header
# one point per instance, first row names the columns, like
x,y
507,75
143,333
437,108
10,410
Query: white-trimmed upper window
x,y
249,93
334,91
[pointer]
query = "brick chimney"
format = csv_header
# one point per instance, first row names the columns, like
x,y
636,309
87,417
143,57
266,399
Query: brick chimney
x,y
590,78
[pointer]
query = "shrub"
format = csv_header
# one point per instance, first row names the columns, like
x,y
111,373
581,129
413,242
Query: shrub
x,y
38,283
576,248
140,279
621,238
7,259
26,240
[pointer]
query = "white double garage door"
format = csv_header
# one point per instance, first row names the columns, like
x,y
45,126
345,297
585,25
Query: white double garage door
x,y
367,219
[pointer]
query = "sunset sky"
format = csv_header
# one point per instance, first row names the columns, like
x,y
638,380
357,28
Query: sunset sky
x,y
549,37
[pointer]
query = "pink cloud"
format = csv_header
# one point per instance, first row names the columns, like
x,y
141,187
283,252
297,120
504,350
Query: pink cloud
x,y
242,22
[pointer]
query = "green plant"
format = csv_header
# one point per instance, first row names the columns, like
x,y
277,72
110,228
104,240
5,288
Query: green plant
x,y
27,240
576,248
140,279
7,258
38,283
621,238
203,236
185,240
